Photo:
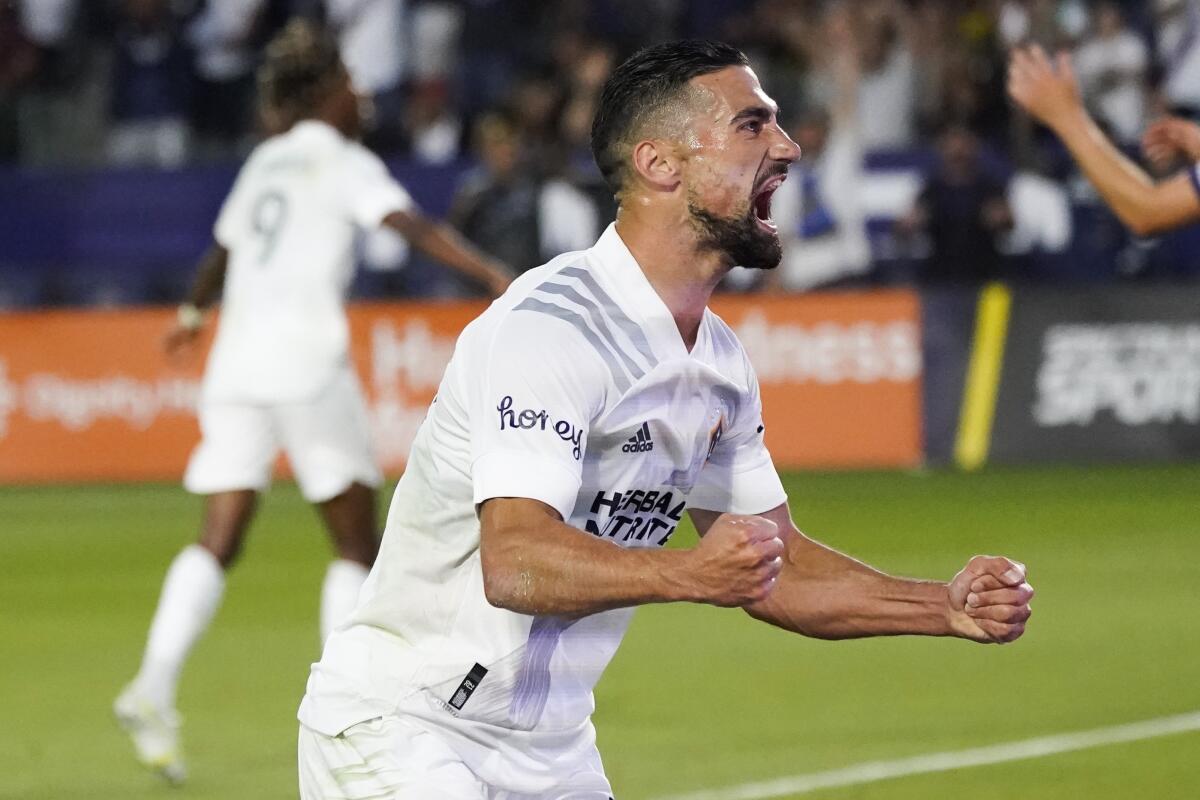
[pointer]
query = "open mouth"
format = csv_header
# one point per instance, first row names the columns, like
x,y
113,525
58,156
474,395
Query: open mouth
x,y
762,203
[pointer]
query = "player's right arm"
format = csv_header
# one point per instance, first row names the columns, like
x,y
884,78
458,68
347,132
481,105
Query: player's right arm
x,y
1050,93
206,288
534,563
534,388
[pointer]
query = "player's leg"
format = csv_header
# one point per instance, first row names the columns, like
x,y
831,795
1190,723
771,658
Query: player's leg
x,y
350,519
329,445
227,518
231,465
385,757
191,593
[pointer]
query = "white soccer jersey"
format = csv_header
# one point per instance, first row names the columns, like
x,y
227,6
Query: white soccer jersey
x,y
289,225
575,389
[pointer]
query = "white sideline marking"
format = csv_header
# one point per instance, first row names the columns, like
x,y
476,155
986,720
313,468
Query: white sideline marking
x,y
870,771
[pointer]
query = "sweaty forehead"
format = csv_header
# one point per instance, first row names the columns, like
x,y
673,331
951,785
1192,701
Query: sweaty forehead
x,y
719,96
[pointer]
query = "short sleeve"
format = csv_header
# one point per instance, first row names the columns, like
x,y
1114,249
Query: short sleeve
x,y
739,476
225,229
368,191
541,387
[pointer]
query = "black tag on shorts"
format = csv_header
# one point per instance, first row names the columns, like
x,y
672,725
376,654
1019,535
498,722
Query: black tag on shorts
x,y
465,689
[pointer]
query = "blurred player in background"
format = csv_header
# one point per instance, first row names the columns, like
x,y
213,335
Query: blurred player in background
x,y
1049,91
279,375
581,414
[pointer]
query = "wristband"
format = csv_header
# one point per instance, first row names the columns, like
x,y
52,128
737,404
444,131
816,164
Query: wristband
x,y
189,317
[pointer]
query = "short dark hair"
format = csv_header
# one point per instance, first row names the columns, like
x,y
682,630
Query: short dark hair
x,y
297,68
643,84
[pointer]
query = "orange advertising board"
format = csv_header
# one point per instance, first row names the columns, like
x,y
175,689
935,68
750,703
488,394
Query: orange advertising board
x,y
840,374
88,396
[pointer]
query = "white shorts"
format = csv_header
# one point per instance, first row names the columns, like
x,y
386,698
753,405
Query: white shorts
x,y
327,441
394,758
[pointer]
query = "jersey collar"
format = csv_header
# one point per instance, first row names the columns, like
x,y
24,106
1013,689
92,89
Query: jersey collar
x,y
637,293
315,128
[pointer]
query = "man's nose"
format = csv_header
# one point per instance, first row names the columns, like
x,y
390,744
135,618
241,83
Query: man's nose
x,y
784,148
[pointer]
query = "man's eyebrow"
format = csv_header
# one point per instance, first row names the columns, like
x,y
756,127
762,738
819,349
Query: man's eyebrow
x,y
763,113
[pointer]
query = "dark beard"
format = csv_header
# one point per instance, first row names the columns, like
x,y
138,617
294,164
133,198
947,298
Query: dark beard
x,y
740,238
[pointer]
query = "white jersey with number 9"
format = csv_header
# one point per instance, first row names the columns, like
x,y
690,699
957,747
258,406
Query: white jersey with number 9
x,y
289,225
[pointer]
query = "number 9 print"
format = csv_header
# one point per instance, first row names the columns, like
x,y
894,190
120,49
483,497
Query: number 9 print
x,y
268,218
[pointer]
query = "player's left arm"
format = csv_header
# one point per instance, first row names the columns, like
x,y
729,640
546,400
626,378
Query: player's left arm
x,y
828,595
442,243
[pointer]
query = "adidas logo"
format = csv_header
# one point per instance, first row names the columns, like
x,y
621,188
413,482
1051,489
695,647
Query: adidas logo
x,y
640,442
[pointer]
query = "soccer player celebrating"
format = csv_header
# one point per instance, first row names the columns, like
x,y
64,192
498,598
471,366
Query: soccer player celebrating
x,y
580,416
1049,91
279,374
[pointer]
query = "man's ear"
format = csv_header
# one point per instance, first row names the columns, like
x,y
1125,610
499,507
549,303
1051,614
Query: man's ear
x,y
655,162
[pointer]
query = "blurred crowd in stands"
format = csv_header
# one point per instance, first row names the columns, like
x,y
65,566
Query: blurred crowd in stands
x,y
916,168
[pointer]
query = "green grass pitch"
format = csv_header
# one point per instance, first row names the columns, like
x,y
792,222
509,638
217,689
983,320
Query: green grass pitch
x,y
698,697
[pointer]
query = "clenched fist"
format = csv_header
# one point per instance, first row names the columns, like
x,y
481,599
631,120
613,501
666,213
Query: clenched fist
x,y
989,600
737,561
